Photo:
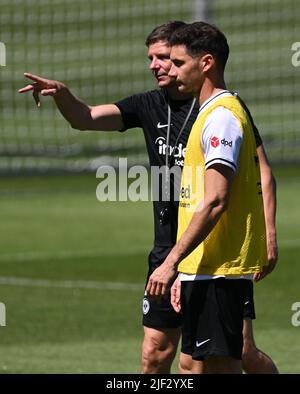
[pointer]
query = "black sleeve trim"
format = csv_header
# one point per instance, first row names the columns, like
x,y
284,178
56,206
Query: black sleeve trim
x,y
221,159
121,110
130,108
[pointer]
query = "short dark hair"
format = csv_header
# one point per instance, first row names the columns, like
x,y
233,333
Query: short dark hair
x,y
163,32
199,37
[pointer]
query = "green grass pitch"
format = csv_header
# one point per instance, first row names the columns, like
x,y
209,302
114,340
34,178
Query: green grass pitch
x,y
72,272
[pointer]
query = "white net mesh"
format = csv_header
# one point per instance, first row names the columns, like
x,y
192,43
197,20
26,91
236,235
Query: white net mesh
x,y
261,34
97,48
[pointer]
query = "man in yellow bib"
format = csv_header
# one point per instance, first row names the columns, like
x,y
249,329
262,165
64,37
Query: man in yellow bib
x,y
221,240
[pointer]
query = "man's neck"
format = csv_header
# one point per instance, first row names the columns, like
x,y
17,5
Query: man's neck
x,y
209,89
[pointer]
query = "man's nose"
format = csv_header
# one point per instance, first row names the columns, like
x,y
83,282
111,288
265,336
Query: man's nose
x,y
154,65
172,72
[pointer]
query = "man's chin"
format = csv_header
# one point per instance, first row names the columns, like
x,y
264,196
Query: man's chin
x,y
183,89
163,82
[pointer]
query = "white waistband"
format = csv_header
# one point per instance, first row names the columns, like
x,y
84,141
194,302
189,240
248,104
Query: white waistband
x,y
189,277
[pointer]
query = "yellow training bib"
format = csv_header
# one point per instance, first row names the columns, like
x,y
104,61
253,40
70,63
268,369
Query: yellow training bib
x,y
237,244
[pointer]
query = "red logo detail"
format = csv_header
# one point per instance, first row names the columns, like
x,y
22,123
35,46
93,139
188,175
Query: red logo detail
x,y
214,142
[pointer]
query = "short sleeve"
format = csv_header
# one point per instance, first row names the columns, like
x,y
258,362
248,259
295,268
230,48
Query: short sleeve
x,y
221,138
130,108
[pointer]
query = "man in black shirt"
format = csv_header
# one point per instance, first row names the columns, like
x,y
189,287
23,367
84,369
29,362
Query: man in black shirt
x,y
166,117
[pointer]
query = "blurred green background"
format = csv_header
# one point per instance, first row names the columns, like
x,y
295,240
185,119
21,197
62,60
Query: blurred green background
x,y
97,48
72,269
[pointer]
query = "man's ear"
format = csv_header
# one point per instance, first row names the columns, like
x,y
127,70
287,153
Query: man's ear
x,y
207,61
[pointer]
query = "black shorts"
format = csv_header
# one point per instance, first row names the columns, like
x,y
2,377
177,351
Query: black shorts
x,y
159,315
249,309
213,312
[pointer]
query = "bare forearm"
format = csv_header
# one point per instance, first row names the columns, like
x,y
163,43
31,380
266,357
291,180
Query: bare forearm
x,y
216,185
76,112
106,117
201,225
269,201
268,185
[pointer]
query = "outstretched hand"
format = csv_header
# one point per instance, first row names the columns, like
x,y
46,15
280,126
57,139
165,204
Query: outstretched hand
x,y
45,87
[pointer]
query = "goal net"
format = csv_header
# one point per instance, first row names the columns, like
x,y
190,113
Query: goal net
x,y
97,48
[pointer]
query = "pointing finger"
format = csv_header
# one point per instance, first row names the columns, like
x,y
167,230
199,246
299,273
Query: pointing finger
x,y
35,78
26,89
